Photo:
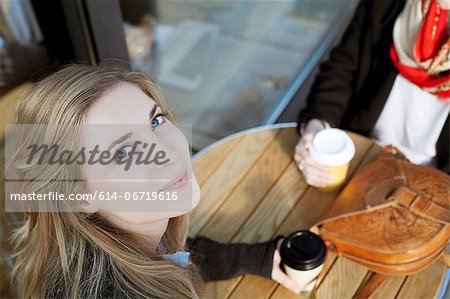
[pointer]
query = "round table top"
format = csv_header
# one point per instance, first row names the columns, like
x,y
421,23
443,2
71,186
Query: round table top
x,y
252,191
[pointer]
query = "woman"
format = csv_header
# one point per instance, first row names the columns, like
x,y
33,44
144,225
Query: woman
x,y
388,79
103,249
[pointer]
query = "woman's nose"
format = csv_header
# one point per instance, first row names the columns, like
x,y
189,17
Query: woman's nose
x,y
164,156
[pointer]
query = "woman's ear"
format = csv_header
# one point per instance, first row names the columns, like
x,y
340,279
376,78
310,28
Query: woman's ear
x,y
87,207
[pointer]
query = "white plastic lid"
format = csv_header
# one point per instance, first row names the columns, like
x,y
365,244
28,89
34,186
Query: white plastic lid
x,y
332,147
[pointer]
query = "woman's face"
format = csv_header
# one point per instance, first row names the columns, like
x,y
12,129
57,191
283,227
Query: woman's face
x,y
164,186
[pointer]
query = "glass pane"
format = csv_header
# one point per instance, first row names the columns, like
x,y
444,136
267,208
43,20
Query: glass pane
x,y
224,65
22,53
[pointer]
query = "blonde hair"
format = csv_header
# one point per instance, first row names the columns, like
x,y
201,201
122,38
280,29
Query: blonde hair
x,y
82,255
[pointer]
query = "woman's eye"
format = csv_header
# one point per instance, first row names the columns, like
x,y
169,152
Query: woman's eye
x,y
123,153
158,120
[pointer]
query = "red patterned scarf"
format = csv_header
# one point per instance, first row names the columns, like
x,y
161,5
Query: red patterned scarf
x,y
426,62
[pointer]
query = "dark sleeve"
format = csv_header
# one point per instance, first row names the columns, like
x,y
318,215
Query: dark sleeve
x,y
335,82
443,148
218,261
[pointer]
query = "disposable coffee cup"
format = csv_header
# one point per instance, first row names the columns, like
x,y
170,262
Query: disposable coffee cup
x,y
334,149
303,254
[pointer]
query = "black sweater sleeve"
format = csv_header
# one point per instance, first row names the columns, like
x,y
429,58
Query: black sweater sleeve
x,y
334,85
218,261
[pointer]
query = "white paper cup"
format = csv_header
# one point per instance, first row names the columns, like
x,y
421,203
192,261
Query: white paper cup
x,y
334,149
303,254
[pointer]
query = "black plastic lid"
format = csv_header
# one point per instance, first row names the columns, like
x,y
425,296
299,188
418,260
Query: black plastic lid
x,y
303,250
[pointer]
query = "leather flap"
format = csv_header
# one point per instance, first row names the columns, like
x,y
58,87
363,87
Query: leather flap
x,y
391,211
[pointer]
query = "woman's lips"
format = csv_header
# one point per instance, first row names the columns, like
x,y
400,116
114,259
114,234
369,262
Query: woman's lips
x,y
177,183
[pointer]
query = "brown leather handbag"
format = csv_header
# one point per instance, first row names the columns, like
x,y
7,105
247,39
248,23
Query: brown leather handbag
x,y
393,217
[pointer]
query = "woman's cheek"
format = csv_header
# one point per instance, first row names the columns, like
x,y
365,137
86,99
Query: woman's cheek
x,y
176,139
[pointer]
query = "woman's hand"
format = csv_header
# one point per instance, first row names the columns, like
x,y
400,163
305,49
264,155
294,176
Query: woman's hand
x,y
278,275
315,174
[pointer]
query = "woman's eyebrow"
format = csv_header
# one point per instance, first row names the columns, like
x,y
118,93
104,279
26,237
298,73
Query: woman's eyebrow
x,y
119,140
153,110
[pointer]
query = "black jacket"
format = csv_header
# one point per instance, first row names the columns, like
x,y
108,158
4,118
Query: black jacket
x,y
218,261
352,87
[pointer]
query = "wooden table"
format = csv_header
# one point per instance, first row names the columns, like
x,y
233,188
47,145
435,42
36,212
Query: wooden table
x,y
252,191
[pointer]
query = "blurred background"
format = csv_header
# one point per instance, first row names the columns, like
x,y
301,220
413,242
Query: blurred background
x,y
224,66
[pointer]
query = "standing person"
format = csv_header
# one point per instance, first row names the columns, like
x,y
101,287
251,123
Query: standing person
x,y
388,79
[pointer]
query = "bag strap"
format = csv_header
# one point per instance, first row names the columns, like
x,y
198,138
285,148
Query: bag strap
x,y
420,204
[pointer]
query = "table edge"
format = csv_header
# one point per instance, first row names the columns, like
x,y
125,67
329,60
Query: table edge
x,y
241,133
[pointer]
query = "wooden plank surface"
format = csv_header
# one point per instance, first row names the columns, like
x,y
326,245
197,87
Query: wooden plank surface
x,y
261,287
210,160
315,202
306,212
389,288
217,189
274,208
247,234
227,221
263,223
424,284
343,280
245,197
253,191
229,174
249,285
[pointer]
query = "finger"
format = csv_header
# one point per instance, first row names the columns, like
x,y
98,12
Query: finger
x,y
308,141
306,156
298,157
317,168
301,156
288,283
276,254
309,169
279,243
317,176
304,142
306,164
309,162
315,183
299,149
304,152
319,173
313,170
301,165
316,179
